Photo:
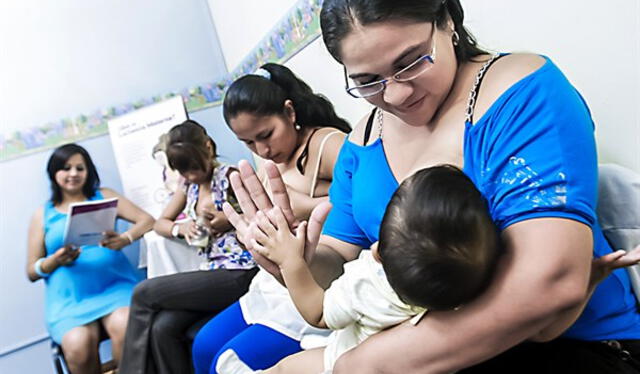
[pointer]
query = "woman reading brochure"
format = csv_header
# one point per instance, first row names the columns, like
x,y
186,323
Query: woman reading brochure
x,y
88,288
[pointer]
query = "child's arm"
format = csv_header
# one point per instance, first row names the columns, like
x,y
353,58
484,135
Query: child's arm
x,y
601,268
281,246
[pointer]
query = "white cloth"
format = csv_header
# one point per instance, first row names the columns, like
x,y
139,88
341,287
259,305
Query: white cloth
x,y
359,304
268,303
169,256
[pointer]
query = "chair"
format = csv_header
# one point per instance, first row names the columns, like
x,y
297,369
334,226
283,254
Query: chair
x,y
60,364
58,358
619,212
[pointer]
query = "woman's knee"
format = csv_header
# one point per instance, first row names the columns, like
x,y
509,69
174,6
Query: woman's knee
x,y
202,350
164,326
80,344
116,324
144,293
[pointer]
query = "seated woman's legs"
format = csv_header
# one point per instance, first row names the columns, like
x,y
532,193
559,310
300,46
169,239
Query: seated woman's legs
x,y
169,343
197,291
257,346
215,334
115,324
80,348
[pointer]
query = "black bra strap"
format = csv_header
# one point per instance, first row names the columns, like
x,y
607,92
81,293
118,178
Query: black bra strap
x,y
479,79
367,130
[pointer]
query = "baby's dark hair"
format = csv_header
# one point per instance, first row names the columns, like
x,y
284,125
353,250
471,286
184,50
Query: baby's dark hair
x,y
438,245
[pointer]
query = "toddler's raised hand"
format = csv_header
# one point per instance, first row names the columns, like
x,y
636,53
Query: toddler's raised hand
x,y
603,266
274,240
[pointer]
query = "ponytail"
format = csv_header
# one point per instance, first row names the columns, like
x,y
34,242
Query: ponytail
x,y
264,95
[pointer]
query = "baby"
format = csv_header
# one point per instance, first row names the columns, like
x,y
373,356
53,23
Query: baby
x,y
437,250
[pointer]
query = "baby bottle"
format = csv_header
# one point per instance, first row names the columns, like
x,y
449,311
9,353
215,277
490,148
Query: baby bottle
x,y
202,238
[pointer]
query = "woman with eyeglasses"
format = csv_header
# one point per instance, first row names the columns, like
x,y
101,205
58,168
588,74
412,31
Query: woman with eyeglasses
x,y
524,135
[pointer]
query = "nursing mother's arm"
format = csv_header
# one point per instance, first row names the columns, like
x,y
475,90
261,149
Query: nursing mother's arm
x,y
331,254
543,273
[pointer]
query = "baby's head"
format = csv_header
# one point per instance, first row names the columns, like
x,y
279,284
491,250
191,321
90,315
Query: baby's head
x,y
438,245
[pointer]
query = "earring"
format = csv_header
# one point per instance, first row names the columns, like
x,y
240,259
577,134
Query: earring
x,y
297,127
455,38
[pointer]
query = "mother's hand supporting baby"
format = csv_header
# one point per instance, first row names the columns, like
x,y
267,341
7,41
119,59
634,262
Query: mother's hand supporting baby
x,y
252,197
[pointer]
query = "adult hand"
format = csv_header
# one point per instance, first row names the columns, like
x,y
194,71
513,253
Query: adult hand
x,y
188,230
66,255
252,198
218,223
114,240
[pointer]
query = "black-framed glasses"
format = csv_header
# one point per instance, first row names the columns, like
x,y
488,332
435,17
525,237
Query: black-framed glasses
x,y
414,70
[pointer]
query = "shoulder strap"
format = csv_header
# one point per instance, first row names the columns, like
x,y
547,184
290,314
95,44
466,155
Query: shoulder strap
x,y
314,179
302,160
471,102
367,130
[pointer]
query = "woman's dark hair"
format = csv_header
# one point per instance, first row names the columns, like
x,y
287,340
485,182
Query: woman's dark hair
x,y
187,147
438,245
59,159
262,96
338,17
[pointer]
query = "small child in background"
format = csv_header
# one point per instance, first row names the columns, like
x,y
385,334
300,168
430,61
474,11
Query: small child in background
x,y
437,251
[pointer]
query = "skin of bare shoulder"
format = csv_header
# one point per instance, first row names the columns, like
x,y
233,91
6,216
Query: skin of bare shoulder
x,y
330,151
503,74
108,192
357,134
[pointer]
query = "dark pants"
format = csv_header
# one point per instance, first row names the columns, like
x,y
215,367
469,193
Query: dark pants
x,y
162,310
565,356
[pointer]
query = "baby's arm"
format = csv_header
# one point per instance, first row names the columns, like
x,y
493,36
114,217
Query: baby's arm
x,y
601,268
284,248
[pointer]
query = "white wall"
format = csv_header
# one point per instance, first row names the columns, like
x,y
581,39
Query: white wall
x,y
65,58
313,64
597,44
241,24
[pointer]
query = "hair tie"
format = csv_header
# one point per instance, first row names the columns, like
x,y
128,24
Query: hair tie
x,y
264,73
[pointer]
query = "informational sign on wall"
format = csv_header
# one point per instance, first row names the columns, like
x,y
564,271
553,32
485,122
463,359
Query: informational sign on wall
x,y
138,145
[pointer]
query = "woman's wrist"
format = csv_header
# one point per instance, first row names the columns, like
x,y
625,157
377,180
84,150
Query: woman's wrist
x,y
127,235
44,266
176,230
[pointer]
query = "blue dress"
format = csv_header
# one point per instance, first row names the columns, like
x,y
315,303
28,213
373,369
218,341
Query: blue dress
x,y
531,155
98,282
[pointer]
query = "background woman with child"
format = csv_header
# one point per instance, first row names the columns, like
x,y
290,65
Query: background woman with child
x,y
164,308
88,288
281,120
523,134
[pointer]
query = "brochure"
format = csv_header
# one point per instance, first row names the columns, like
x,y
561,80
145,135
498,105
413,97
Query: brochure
x,y
87,220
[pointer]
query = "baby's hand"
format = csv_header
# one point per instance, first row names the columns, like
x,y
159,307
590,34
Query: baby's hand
x,y
603,266
278,243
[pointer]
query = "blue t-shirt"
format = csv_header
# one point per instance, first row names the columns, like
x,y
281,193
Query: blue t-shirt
x,y
531,155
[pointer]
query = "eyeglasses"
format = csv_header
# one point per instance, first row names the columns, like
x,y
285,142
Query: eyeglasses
x,y
415,69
